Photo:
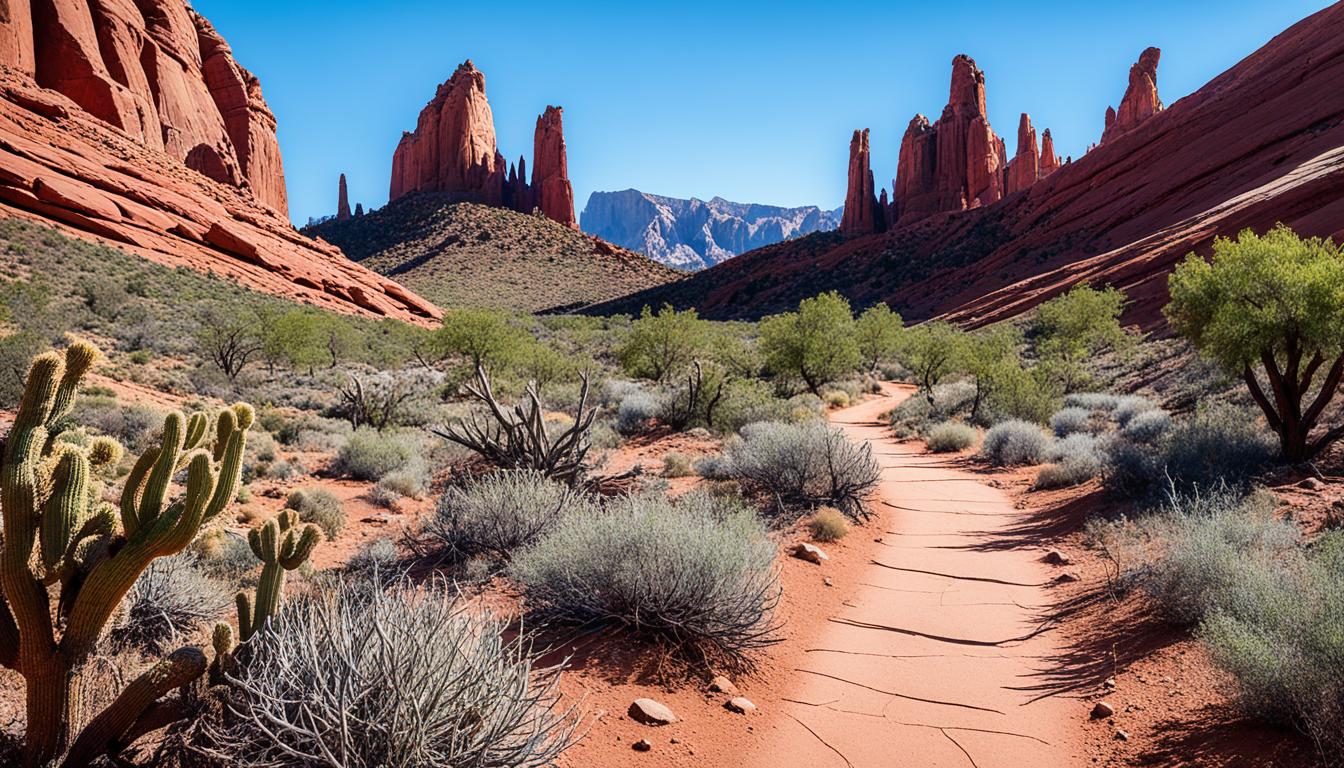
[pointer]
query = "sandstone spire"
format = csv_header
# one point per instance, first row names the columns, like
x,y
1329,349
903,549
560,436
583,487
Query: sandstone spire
x,y
1049,160
343,201
550,169
452,148
957,162
1025,168
1141,100
861,215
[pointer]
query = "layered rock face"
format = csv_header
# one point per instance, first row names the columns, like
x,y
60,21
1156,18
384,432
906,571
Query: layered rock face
x,y
130,122
453,151
1140,101
158,72
695,234
957,162
862,215
343,201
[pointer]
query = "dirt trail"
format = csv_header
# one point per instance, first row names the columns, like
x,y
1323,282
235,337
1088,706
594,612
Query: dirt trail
x,y
935,660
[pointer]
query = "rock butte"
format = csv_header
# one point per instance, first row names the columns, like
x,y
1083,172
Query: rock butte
x,y
1140,101
131,123
453,150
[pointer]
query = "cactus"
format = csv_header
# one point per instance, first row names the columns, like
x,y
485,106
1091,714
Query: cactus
x,y
58,537
281,544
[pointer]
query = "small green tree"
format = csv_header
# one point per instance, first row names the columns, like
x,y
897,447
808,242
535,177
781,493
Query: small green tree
x,y
932,351
661,345
484,337
1074,326
878,333
1272,305
991,359
815,344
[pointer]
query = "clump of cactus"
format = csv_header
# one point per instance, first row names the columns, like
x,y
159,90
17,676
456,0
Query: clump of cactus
x,y
281,544
68,559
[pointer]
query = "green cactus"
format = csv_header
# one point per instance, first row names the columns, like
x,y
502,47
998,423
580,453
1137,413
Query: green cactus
x,y
281,544
57,537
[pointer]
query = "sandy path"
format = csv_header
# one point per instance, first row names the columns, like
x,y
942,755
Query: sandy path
x,y
935,659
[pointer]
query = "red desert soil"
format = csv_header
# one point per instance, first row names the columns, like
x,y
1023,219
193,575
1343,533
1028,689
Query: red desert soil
x,y
925,649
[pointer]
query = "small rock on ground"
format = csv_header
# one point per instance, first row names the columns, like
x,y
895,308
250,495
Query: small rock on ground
x,y
722,684
650,712
1102,710
642,745
740,705
812,554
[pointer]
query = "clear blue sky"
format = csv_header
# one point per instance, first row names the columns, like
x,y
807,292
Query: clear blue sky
x,y
752,101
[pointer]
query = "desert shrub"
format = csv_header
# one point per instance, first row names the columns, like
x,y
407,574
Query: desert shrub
x,y
828,524
318,506
346,670
637,409
1213,447
746,401
1146,426
815,345
714,468
1076,325
1092,401
1284,648
1130,406
804,465
658,346
950,437
917,414
224,555
1072,420
677,465
369,455
697,572
878,334
1073,461
1221,552
603,436
285,470
172,598
379,555
498,513
410,481
1014,443
835,398
131,425
1064,475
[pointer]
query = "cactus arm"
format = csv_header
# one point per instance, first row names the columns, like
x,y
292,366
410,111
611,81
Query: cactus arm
x,y
225,425
79,359
301,547
230,474
244,605
196,427
130,493
111,725
67,508
156,486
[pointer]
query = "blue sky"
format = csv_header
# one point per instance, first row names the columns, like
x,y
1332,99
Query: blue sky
x,y
752,101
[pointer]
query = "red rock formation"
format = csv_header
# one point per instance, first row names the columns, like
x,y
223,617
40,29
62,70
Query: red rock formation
x,y
1049,160
1141,100
343,201
452,148
359,210
1025,168
129,122
550,169
958,162
861,216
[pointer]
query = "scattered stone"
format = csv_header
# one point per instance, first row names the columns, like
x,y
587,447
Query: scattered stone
x,y
1055,557
1311,484
642,745
827,581
650,712
1121,736
812,554
1102,710
1110,682
1066,578
674,740
722,684
740,705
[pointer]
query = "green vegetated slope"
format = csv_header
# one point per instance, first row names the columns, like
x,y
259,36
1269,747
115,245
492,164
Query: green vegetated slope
x,y
467,254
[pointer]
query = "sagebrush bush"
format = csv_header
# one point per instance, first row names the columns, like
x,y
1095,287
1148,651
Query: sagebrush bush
x,y
1147,426
828,524
637,410
1092,401
950,437
172,598
714,468
370,455
500,512
1072,420
318,506
835,398
677,465
697,572
1065,474
1218,446
1285,649
224,554
916,414
401,677
379,555
1014,443
1130,406
804,465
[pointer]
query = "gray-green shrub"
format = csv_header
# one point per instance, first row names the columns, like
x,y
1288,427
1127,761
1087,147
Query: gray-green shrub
x,y
500,512
369,454
172,598
697,572
950,437
801,466
1072,420
318,506
1014,443
1213,447
400,677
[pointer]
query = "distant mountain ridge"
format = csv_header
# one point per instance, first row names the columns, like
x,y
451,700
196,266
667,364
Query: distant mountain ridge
x,y
694,234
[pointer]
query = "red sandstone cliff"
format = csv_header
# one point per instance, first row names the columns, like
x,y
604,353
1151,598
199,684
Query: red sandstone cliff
x,y
862,215
129,121
1140,101
453,151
